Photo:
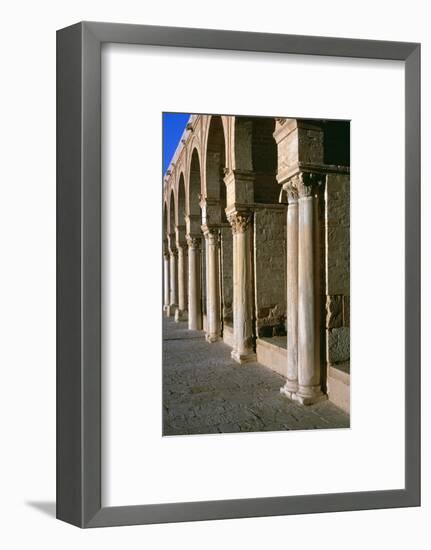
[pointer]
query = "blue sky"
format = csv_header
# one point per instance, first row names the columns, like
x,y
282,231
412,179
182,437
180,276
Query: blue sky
x,y
173,127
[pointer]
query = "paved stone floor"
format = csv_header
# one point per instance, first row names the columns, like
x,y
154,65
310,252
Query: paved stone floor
x,y
205,391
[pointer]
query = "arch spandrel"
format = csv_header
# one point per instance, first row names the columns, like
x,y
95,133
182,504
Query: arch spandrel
x,y
213,170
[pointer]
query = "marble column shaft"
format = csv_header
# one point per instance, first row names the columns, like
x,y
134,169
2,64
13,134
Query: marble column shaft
x,y
173,302
213,284
181,312
309,368
242,287
291,386
303,382
194,283
166,290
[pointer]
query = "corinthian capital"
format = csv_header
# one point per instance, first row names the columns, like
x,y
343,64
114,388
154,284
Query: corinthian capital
x,y
240,221
211,234
291,191
307,183
194,242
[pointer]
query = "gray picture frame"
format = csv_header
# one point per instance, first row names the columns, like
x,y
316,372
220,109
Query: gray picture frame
x,y
79,273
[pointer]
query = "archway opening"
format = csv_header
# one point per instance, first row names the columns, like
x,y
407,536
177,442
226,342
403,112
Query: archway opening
x,y
181,211
171,228
165,225
195,187
216,191
215,166
194,220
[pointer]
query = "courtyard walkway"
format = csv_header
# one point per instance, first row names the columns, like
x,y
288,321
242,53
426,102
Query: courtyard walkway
x,y
205,391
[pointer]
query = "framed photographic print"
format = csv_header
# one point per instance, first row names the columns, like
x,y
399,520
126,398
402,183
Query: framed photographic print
x,y
238,282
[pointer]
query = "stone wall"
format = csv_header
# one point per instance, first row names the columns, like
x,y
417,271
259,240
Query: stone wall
x,y
270,271
226,253
337,322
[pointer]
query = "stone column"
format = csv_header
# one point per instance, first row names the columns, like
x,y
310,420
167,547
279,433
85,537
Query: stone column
x,y
243,351
291,386
166,296
194,286
181,312
213,283
173,300
309,368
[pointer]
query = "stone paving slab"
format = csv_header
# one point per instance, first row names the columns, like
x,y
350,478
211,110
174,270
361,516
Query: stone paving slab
x,y
205,391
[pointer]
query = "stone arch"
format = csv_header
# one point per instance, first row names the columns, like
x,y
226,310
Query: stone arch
x,y
194,236
166,259
180,235
171,220
219,243
195,184
181,201
165,223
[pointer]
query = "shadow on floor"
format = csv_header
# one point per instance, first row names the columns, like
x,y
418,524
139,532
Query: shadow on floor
x,y
46,507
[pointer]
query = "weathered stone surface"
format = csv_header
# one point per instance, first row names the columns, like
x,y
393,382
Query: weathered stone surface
x,y
205,391
227,274
338,345
346,311
270,271
338,200
338,261
339,388
310,143
272,353
334,311
338,234
286,136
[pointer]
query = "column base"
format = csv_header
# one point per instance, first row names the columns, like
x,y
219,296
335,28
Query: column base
x,y
211,338
309,395
243,357
170,310
180,315
289,390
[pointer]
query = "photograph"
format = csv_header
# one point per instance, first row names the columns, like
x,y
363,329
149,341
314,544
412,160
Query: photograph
x,y
256,273
215,305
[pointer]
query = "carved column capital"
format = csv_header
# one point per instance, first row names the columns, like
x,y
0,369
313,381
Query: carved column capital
x,y
240,221
172,243
211,233
194,242
307,183
291,192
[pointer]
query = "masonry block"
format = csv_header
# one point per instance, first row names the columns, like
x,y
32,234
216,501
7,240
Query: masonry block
x,y
338,344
